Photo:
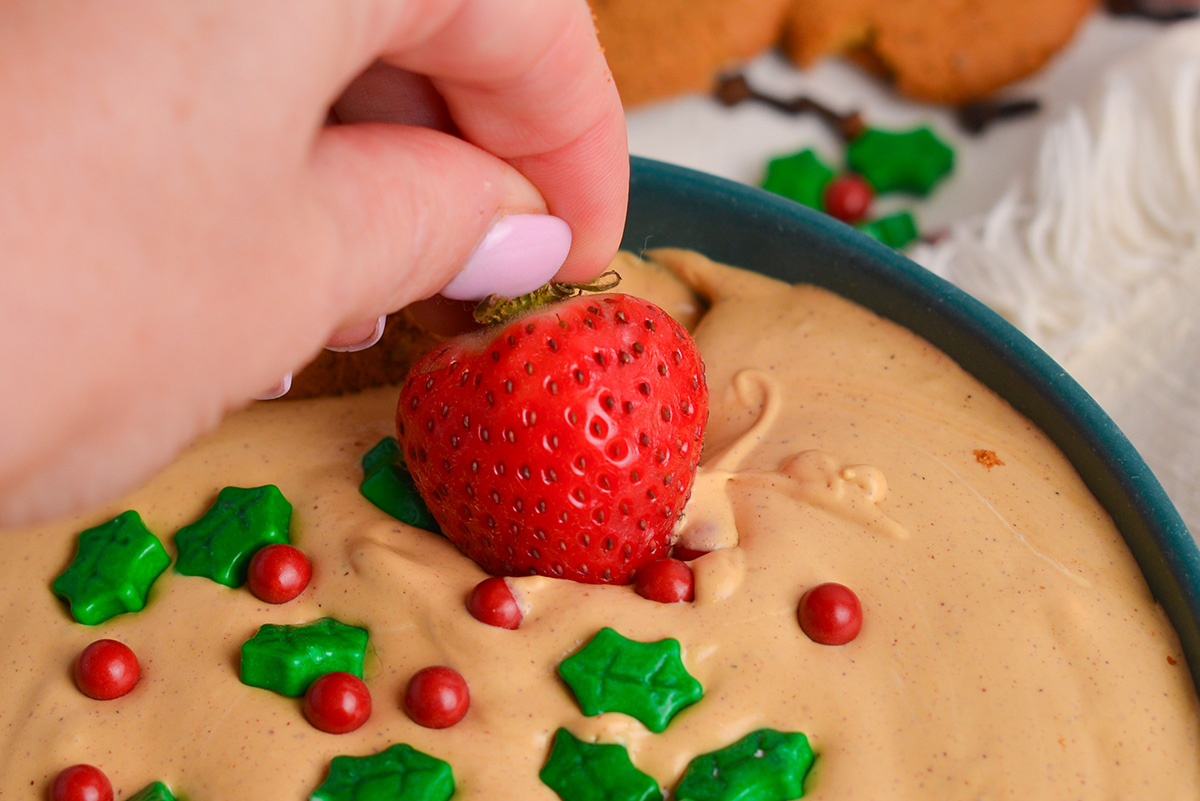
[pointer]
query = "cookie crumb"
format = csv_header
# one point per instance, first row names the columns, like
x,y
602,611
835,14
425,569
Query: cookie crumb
x,y
988,459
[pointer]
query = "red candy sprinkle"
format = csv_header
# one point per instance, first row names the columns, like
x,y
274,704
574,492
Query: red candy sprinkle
x,y
668,581
81,783
106,669
437,697
278,573
686,554
848,198
337,703
830,614
492,602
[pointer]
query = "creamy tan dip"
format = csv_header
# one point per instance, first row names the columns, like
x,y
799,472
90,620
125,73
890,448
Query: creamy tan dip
x,y
1010,647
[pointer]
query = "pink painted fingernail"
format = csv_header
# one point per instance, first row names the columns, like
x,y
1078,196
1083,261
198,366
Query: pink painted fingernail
x,y
518,254
277,391
357,338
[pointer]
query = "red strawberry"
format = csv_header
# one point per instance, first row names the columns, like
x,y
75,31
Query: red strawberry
x,y
563,442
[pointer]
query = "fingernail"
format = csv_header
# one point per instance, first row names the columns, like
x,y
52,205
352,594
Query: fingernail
x,y
277,391
358,338
518,254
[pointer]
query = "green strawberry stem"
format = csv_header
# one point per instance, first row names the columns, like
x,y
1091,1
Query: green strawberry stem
x,y
498,309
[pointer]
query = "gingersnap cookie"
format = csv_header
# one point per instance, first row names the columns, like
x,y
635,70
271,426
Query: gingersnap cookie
x,y
662,48
386,362
942,51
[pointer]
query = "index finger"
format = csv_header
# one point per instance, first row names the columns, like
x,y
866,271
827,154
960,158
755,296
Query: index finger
x,y
526,80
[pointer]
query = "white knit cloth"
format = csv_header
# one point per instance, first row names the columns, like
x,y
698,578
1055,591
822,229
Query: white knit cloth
x,y
1096,254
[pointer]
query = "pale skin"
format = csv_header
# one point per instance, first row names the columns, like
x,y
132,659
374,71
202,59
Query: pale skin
x,y
180,226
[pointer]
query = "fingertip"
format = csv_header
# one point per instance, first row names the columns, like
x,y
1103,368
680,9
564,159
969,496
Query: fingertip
x,y
360,337
278,391
518,254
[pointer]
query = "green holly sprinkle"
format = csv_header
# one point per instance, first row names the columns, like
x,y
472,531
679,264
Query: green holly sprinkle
x,y
646,680
401,773
114,567
900,161
895,230
221,543
388,485
580,771
765,765
801,176
286,659
154,792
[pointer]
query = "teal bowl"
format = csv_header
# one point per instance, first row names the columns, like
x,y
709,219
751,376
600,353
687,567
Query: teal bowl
x,y
737,224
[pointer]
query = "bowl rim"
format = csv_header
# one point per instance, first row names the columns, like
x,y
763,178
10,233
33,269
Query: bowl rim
x,y
674,206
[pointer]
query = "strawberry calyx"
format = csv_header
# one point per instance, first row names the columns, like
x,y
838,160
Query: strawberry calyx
x,y
496,309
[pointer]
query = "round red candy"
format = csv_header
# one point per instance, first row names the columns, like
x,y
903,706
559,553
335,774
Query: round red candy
x,y
437,697
830,614
81,783
278,573
686,554
668,581
848,198
106,669
337,703
492,602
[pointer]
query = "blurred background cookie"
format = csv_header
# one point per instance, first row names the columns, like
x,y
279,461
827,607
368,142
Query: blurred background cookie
x,y
942,51
661,48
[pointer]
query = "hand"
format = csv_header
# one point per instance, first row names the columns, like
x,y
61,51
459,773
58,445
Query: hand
x,y
181,225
